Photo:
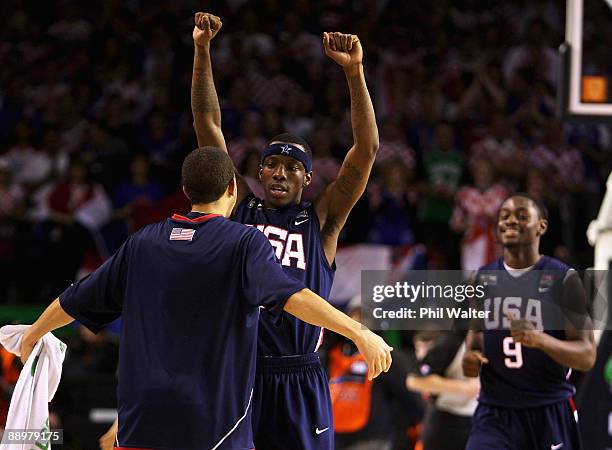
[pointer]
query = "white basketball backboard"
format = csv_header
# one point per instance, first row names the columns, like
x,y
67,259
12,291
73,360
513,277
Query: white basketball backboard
x,y
585,89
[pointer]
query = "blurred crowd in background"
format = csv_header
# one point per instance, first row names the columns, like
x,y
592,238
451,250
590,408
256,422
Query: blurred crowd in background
x,y
95,122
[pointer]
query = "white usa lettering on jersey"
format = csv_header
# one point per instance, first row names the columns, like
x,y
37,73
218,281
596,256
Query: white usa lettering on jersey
x,y
501,308
288,247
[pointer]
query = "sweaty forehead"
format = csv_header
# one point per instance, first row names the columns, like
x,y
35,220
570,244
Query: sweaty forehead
x,y
519,203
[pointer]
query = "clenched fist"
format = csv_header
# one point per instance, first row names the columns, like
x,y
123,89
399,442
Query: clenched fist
x,y
206,27
345,49
525,333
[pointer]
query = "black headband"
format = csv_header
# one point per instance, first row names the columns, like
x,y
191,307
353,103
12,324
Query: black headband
x,y
292,150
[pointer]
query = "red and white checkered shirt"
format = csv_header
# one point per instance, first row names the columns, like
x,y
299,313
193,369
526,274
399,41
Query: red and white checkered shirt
x,y
478,209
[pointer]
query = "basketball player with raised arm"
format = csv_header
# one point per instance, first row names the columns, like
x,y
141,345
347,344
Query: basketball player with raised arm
x,y
291,403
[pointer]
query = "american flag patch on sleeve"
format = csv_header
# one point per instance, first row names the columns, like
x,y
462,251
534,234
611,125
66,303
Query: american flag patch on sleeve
x,y
182,234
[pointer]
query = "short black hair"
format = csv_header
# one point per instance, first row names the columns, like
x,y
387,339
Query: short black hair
x,y
292,139
206,173
540,206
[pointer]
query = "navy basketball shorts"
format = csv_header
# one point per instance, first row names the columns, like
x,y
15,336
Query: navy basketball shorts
x,y
550,427
291,404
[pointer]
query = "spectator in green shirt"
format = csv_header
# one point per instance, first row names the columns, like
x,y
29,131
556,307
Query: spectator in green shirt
x,y
443,170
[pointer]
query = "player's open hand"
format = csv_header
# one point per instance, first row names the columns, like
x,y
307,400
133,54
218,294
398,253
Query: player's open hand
x,y
375,351
206,27
525,333
345,49
472,361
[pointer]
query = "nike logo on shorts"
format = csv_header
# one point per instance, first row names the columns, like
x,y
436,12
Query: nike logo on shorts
x,y
324,430
556,446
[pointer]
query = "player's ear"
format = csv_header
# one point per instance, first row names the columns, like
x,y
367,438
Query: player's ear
x,y
232,188
260,171
307,179
185,192
542,227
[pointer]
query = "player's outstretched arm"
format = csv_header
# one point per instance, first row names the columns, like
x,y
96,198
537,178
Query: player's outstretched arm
x,y
336,202
204,101
436,384
52,318
309,307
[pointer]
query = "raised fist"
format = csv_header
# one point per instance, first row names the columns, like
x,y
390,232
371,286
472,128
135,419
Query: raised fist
x,y
206,27
345,49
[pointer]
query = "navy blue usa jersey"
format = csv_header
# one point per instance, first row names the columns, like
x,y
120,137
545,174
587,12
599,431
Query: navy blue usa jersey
x,y
294,232
189,292
518,376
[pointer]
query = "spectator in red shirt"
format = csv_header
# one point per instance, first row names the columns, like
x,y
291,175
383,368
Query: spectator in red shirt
x,y
475,215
